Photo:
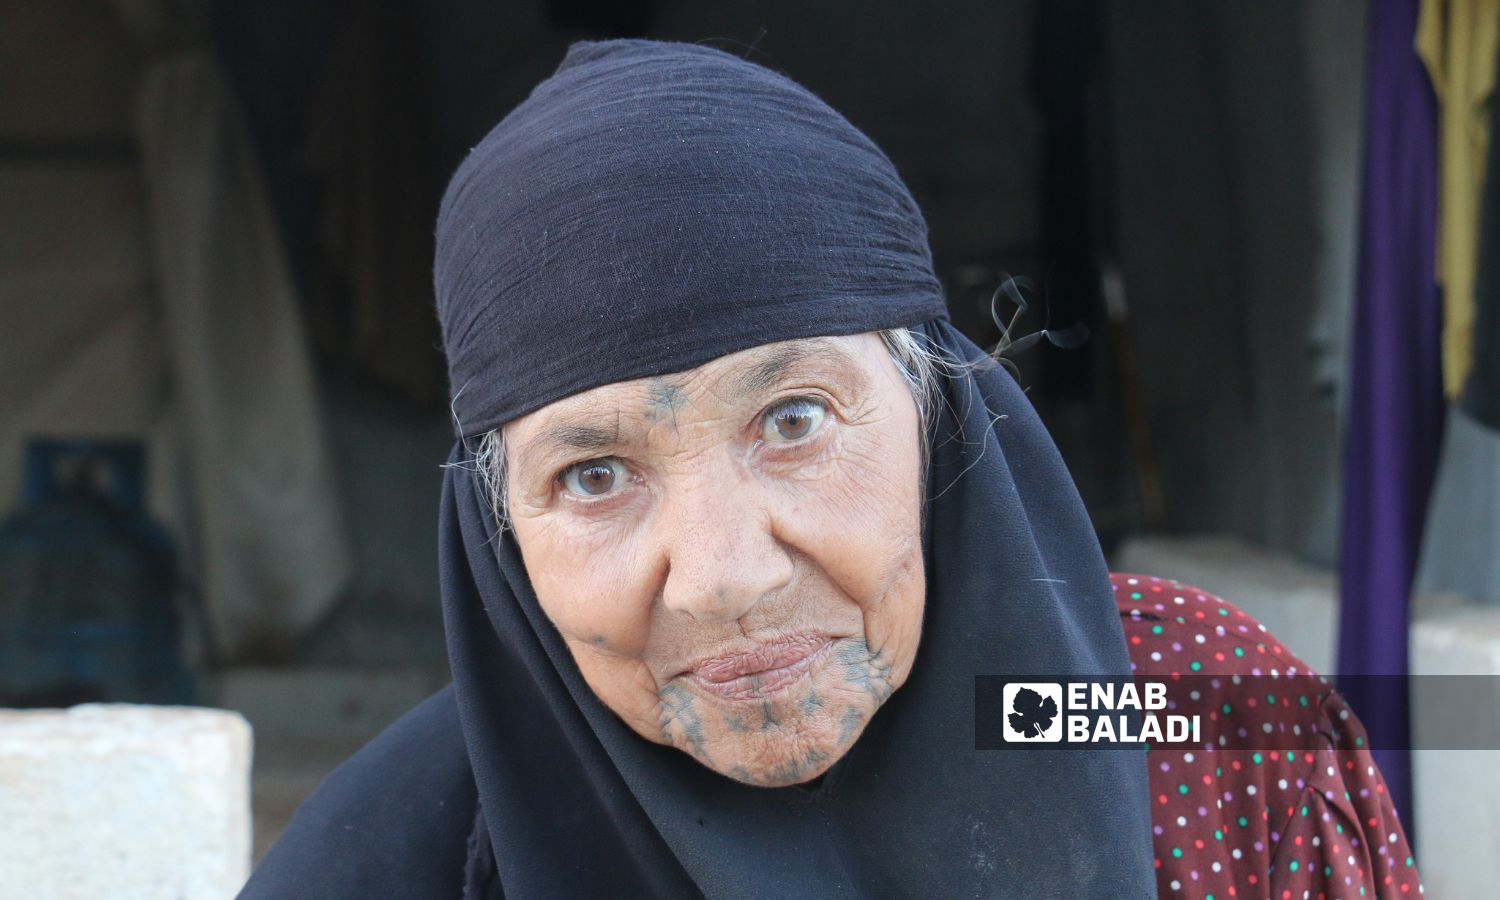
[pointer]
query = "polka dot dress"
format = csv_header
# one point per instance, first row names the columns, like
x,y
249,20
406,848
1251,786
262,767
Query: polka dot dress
x,y
1280,797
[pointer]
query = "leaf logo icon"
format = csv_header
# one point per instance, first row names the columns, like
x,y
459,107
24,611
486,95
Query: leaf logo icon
x,y
1033,711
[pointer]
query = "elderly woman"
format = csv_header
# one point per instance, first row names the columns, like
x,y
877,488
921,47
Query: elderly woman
x,y
736,525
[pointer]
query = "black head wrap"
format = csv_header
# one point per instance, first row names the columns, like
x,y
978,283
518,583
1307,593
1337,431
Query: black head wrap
x,y
650,207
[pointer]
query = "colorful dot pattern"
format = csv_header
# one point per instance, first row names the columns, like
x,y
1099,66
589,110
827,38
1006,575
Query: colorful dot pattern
x,y
1305,824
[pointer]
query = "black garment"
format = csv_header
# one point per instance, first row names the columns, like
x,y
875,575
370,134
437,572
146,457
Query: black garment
x,y
570,801
577,805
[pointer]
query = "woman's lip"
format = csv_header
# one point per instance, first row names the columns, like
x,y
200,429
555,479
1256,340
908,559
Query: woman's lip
x,y
773,654
761,671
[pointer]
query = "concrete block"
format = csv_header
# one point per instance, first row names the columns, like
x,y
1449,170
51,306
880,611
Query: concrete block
x,y
1296,602
1455,658
122,801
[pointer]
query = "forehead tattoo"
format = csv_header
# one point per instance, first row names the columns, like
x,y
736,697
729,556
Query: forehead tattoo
x,y
662,400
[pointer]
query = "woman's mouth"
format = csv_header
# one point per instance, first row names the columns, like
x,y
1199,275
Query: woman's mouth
x,y
763,671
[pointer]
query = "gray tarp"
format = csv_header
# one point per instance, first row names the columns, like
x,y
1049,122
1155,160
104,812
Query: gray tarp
x,y
149,297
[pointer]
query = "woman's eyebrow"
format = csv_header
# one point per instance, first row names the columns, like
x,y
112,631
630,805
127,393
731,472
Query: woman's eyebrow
x,y
764,375
567,437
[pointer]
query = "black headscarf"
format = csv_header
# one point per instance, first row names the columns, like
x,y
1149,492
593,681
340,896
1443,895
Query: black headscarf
x,y
653,206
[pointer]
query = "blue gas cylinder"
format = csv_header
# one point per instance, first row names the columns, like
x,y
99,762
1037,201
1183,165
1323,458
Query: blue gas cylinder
x,y
88,583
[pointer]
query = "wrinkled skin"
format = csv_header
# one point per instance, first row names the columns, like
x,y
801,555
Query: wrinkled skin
x,y
697,515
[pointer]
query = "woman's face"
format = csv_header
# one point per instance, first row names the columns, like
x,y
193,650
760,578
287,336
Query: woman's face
x,y
733,553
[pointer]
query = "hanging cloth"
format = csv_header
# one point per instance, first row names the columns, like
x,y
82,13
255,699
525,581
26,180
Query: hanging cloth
x,y
1457,40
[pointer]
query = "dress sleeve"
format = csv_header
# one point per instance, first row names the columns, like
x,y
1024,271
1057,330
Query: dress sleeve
x,y
1342,837
1300,814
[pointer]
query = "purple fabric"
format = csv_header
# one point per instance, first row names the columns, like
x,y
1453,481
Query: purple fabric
x,y
1395,411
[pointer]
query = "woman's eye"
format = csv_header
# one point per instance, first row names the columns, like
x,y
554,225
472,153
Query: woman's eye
x,y
793,420
594,477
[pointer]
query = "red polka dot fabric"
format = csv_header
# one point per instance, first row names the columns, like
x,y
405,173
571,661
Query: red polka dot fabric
x,y
1280,798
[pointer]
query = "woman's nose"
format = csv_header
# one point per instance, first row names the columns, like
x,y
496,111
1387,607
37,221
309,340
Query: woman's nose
x,y
722,555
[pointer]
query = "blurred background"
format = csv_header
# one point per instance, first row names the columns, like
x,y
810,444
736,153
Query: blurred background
x,y
223,402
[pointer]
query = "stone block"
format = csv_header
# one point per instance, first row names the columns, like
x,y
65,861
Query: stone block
x,y
123,801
